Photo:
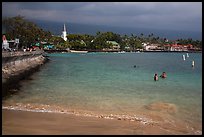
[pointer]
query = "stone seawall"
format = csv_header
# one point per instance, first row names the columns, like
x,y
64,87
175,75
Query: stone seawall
x,y
19,65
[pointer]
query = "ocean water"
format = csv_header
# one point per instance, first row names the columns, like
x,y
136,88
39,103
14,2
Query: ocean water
x,y
107,85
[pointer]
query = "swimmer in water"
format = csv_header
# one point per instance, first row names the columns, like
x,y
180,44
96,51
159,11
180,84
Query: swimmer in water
x,y
156,77
163,75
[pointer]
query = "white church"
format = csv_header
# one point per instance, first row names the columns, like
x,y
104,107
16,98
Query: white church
x,y
64,33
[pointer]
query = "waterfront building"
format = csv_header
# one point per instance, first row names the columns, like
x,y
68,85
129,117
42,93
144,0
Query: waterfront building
x,y
151,47
5,44
64,33
114,44
178,47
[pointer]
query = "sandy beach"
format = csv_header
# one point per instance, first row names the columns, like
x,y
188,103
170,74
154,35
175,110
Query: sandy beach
x,y
38,123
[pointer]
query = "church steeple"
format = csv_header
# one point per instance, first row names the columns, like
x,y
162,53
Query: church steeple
x,y
64,33
64,28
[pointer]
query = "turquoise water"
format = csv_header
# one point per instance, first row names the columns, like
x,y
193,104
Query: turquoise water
x,y
109,84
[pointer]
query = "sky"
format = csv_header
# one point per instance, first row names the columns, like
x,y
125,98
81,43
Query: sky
x,y
184,16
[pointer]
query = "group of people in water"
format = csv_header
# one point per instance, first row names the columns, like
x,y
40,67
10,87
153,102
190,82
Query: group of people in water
x,y
156,78
163,75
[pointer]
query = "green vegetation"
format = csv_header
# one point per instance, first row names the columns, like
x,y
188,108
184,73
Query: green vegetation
x,y
26,31
29,33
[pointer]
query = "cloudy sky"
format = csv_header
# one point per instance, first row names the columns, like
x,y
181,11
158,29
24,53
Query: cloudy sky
x,y
155,15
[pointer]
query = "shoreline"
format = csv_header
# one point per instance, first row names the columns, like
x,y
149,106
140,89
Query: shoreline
x,y
36,123
49,123
110,51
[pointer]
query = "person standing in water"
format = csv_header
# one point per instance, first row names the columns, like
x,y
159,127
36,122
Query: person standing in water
x,y
193,63
156,77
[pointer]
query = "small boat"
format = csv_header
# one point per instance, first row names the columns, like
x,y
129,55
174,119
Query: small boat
x,y
78,51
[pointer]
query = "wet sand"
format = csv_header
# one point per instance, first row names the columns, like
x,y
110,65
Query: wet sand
x,y
38,123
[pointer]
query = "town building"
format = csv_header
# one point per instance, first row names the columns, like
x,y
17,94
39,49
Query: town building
x,y
115,45
151,47
178,47
5,44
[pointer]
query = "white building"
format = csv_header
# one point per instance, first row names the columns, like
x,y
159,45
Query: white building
x,y
5,44
64,33
149,47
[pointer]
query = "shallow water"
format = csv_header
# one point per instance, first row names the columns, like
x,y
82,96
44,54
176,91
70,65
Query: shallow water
x,y
108,85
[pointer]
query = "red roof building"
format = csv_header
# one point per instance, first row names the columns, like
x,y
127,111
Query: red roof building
x,y
178,47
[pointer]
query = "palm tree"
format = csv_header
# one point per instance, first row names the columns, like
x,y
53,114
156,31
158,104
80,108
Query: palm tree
x,y
141,37
98,33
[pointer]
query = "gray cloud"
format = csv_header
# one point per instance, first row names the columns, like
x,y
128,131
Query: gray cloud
x,y
156,15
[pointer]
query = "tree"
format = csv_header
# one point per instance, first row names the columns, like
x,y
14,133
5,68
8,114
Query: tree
x,y
88,39
27,32
56,40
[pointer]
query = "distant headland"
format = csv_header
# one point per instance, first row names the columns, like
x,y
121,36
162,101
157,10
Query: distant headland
x,y
30,36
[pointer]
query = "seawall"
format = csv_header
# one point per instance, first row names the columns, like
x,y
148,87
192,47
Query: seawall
x,y
19,65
